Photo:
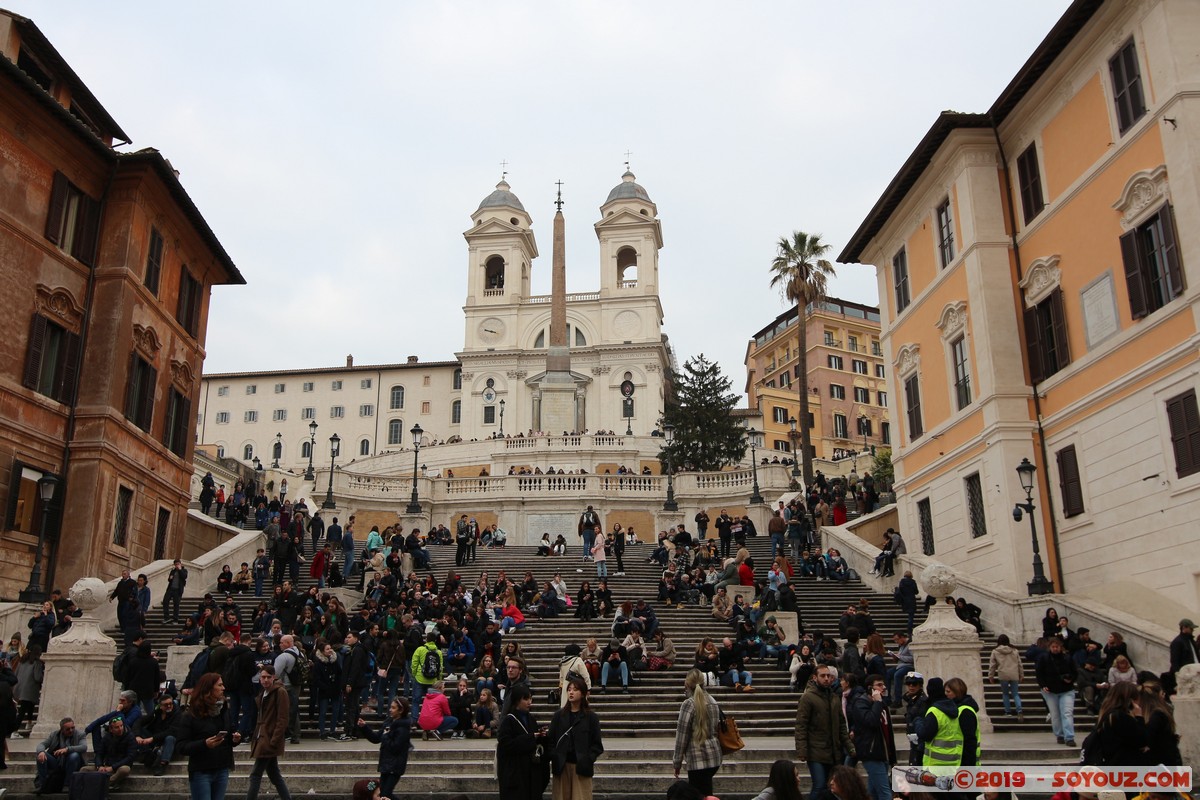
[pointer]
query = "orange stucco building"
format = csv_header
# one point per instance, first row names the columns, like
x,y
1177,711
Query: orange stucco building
x,y
106,268
1039,268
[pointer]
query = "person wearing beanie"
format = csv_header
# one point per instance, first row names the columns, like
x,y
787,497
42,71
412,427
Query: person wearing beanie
x,y
572,663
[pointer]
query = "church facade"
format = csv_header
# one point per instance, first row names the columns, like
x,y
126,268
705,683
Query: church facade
x,y
508,379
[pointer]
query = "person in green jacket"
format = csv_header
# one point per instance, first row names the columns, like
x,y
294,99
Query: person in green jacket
x,y
419,669
822,738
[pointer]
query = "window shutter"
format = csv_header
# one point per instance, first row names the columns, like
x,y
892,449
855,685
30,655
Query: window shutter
x,y
182,419
1058,319
58,204
37,344
1068,481
87,226
1183,417
147,410
1171,251
1033,345
1133,275
131,390
69,368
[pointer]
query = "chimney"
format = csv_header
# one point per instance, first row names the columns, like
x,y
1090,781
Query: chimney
x,y
350,361
412,359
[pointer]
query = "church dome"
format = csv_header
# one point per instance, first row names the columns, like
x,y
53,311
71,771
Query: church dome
x,y
627,190
501,197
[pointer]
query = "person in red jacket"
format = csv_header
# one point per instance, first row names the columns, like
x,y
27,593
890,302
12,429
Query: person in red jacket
x,y
320,564
435,718
746,573
513,619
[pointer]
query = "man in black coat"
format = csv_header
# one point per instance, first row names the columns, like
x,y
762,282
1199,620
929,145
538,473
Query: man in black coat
x,y
916,704
355,678
155,735
176,582
1183,652
906,594
874,738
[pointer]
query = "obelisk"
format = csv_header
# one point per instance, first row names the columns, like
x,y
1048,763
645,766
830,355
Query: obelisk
x,y
558,406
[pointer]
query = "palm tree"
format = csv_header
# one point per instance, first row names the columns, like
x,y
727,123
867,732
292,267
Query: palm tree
x,y
800,271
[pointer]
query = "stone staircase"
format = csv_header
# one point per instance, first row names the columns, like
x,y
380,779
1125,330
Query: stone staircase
x,y
638,727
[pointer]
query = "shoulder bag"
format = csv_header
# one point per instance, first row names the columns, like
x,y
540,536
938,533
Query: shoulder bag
x,y
727,734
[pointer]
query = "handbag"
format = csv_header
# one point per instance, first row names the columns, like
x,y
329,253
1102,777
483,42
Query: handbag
x,y
728,735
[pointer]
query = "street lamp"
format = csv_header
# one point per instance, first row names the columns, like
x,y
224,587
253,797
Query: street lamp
x,y
756,498
33,592
334,445
501,419
312,445
794,435
1040,584
414,505
670,504
278,450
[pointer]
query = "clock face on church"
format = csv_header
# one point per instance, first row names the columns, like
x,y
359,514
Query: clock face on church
x,y
491,330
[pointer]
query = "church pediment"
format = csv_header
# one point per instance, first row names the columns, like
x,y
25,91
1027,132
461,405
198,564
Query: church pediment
x,y
578,378
625,218
496,228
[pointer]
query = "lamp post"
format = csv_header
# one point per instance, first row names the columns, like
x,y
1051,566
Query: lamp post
x,y
756,498
334,445
33,592
1040,584
794,435
414,505
278,450
501,419
312,445
670,504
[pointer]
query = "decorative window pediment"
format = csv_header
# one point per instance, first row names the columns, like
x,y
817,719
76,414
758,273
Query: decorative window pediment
x,y
146,341
181,375
1143,193
908,360
953,320
59,304
1042,278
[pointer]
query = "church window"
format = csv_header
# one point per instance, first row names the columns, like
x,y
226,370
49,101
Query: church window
x,y
580,339
364,447
494,273
540,341
397,398
458,379
489,415
491,383
456,412
306,449
627,266
395,431
248,453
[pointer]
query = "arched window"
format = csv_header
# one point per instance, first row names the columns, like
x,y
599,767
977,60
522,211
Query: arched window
x,y
458,379
580,339
220,451
626,265
395,431
277,451
494,273
306,449
397,397
456,412
540,341
248,453
574,334
364,447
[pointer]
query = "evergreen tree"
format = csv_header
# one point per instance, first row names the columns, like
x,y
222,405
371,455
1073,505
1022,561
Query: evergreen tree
x,y
706,436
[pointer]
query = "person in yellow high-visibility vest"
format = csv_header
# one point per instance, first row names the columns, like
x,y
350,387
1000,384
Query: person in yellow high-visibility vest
x,y
950,729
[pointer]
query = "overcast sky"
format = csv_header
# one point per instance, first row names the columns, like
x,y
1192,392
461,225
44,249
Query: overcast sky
x,y
337,150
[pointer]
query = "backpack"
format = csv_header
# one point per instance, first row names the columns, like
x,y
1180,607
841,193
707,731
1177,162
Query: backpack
x,y
431,665
301,671
197,668
120,665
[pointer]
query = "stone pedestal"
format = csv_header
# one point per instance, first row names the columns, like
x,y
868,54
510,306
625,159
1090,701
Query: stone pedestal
x,y
946,647
78,682
667,520
1187,714
179,658
408,521
760,515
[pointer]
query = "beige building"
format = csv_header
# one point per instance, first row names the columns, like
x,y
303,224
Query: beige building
x,y
1039,276
846,374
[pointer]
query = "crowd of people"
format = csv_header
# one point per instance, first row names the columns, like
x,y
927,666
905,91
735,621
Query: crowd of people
x,y
442,660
